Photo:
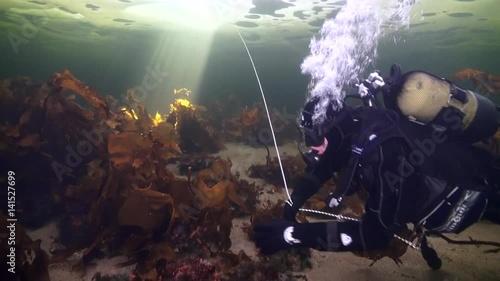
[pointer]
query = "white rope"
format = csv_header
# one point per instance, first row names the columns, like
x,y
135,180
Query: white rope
x,y
340,217
411,244
289,201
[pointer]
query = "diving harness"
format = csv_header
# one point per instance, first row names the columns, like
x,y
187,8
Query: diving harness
x,y
367,93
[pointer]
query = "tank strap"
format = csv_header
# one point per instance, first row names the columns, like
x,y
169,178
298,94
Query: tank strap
x,y
376,128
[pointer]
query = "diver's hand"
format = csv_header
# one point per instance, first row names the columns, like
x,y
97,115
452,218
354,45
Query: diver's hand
x,y
281,235
276,236
376,81
332,201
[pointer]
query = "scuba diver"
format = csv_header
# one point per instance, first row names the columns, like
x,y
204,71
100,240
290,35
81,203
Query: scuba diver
x,y
414,157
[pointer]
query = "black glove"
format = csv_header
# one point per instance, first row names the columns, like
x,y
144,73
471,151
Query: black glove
x,y
333,200
281,235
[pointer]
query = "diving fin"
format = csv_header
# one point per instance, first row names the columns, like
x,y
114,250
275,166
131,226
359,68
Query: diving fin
x,y
394,81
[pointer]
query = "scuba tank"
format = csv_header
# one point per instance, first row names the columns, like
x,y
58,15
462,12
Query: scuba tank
x,y
428,99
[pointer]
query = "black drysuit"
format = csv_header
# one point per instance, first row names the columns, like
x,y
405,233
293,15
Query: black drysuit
x,y
416,175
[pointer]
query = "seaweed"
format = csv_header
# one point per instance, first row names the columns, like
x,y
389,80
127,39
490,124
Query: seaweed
x,y
293,167
249,194
118,197
66,80
194,163
241,267
190,270
102,171
232,130
250,117
196,134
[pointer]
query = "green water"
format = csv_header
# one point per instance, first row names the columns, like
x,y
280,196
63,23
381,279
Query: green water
x,y
441,42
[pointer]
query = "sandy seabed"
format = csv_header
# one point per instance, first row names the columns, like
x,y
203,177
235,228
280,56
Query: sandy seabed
x,y
460,262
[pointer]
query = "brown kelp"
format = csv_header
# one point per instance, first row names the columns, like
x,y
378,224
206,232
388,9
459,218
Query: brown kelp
x,y
101,168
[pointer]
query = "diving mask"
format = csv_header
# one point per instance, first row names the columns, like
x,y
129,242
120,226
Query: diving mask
x,y
313,134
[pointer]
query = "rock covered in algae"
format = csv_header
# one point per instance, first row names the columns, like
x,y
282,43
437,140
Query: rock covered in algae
x,y
293,167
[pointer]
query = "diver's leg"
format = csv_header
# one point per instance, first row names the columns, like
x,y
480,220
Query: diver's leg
x,y
365,235
306,187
